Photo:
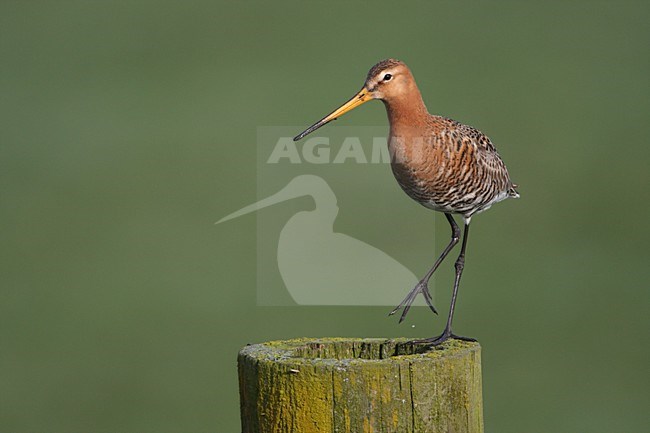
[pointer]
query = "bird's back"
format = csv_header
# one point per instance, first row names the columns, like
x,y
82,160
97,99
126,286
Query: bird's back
x,y
448,166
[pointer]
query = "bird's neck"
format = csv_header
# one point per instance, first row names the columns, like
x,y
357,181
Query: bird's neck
x,y
406,110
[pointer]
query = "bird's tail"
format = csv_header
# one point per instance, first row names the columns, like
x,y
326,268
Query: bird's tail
x,y
512,192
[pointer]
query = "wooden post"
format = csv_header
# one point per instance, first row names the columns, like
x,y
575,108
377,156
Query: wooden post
x,y
347,385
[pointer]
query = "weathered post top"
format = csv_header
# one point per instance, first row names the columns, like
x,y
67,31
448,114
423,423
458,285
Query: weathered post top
x,y
348,385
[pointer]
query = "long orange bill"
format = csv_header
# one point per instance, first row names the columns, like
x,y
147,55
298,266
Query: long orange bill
x,y
358,99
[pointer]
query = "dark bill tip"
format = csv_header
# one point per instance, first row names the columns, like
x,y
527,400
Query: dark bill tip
x,y
311,129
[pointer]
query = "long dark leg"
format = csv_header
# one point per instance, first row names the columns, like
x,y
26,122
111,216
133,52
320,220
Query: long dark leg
x,y
423,285
460,265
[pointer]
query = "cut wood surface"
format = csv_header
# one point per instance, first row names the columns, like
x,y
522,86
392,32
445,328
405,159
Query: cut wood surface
x,y
347,385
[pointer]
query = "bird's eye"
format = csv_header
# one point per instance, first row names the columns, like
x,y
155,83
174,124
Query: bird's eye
x,y
387,77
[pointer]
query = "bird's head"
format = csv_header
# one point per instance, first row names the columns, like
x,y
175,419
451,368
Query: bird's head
x,y
388,80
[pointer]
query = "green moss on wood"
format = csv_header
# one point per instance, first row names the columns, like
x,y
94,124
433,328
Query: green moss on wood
x,y
344,385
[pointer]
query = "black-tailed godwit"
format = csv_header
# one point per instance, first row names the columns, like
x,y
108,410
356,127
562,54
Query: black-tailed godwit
x,y
440,163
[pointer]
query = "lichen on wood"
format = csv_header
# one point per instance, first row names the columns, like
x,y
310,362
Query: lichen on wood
x,y
346,385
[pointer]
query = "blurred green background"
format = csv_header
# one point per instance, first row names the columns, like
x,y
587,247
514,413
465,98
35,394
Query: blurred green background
x,y
129,128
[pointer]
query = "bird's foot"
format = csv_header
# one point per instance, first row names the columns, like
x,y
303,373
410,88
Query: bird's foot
x,y
446,335
420,287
